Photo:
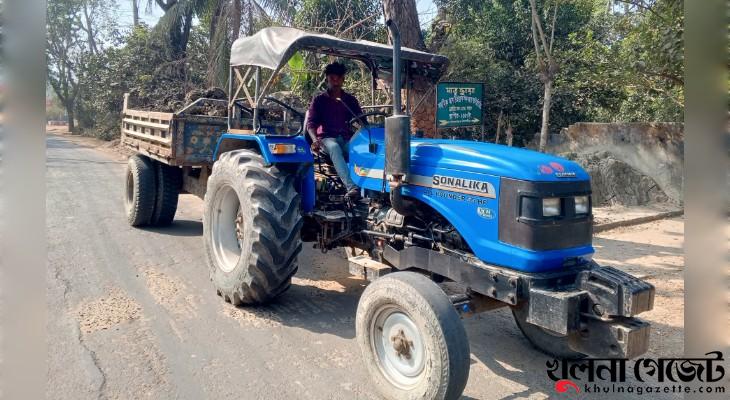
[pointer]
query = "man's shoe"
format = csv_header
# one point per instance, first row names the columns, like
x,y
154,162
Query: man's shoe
x,y
353,194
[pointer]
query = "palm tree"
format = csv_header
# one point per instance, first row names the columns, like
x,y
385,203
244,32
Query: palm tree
x,y
227,20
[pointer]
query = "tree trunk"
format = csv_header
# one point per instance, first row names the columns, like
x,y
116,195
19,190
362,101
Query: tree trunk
x,y
236,16
186,31
90,31
135,12
249,19
509,132
70,115
546,113
499,127
217,37
179,31
405,14
439,31
424,118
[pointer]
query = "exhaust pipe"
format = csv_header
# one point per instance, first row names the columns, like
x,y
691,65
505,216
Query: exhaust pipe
x,y
397,135
395,34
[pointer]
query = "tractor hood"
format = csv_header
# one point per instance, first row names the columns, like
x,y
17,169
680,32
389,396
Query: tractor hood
x,y
476,187
428,155
493,159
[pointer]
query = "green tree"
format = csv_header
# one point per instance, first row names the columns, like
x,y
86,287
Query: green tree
x,y
143,68
617,63
492,42
64,49
652,53
354,19
546,63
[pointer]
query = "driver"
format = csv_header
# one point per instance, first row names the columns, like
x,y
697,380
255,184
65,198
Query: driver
x,y
328,126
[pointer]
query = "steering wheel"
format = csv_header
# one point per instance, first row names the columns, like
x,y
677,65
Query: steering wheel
x,y
293,111
362,117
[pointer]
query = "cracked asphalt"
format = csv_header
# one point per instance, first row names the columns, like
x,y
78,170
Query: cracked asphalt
x,y
132,313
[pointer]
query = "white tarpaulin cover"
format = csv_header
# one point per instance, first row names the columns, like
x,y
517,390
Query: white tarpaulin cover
x,y
272,47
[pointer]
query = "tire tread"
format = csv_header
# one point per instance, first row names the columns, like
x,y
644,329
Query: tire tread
x,y
169,181
142,168
277,222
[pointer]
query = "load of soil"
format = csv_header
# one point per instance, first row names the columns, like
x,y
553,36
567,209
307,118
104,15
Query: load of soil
x,y
613,182
209,108
175,100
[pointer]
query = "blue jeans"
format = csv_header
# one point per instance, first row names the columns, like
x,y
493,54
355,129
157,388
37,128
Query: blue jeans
x,y
336,148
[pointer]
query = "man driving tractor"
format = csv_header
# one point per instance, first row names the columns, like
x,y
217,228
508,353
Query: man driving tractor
x,y
327,122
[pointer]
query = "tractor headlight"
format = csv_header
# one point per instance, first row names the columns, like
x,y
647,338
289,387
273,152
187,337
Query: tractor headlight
x,y
550,206
581,204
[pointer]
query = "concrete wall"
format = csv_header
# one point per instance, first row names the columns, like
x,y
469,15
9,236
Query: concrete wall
x,y
654,149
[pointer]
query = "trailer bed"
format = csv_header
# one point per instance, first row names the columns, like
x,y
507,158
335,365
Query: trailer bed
x,y
178,139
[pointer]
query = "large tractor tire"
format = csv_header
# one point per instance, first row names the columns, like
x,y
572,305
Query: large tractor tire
x,y
251,228
140,190
412,340
169,181
544,340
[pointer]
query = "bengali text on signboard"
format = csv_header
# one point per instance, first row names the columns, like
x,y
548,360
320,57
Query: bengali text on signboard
x,y
458,104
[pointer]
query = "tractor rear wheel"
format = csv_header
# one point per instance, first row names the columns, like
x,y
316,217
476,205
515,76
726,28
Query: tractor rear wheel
x,y
251,228
412,340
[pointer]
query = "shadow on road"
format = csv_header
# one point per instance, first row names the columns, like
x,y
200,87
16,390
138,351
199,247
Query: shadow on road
x,y
179,227
496,342
58,142
308,306
52,160
322,298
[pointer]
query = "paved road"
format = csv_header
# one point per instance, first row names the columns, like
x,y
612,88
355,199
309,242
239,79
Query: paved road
x,y
132,313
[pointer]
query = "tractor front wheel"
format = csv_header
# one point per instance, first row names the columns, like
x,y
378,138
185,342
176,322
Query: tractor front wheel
x,y
544,340
412,340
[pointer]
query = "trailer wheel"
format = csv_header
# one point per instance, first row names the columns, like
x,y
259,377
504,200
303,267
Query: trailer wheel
x,y
140,188
251,228
169,180
412,340
543,340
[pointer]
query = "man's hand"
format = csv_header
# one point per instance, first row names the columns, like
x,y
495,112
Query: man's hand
x,y
316,142
316,145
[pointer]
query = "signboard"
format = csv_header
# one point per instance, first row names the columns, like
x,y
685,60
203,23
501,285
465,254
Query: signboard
x,y
458,104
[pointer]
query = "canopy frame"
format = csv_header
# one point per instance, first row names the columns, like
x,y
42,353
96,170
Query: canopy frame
x,y
271,48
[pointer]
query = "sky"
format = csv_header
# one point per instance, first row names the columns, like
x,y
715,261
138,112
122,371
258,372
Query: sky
x,y
125,12
426,12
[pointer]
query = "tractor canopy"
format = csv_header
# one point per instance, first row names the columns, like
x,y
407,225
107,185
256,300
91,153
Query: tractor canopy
x,y
272,47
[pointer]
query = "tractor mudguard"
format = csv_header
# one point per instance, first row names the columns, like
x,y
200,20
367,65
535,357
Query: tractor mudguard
x,y
264,144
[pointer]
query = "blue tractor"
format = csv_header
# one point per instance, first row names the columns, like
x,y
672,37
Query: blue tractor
x,y
510,227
